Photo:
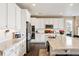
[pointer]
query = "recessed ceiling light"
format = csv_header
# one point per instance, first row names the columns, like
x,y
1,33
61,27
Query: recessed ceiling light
x,y
61,13
71,4
33,4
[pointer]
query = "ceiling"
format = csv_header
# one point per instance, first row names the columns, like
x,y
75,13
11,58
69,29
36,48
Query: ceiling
x,y
52,9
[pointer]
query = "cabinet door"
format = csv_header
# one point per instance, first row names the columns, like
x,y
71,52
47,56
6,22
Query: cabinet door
x,y
20,48
27,16
18,18
17,49
24,46
9,51
3,14
11,15
20,53
23,22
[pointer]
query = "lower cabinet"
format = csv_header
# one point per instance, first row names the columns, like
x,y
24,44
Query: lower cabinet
x,y
24,46
19,49
9,52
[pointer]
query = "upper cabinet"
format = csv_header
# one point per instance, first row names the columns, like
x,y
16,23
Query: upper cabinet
x,y
26,14
25,17
3,14
11,15
18,18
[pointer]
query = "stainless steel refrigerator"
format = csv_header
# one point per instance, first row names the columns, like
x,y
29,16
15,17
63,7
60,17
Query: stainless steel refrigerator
x,y
28,35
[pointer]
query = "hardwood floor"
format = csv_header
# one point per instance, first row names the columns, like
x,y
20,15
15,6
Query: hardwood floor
x,y
34,49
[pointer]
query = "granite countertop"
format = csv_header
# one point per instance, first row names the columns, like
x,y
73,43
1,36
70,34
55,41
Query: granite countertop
x,y
64,42
8,44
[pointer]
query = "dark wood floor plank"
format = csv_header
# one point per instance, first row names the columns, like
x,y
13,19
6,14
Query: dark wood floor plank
x,y
34,49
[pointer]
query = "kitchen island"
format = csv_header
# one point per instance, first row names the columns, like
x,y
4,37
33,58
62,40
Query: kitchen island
x,y
63,45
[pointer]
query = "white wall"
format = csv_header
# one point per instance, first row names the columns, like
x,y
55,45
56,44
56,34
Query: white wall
x,y
40,26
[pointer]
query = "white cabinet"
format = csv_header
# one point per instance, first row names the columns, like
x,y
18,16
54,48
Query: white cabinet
x,y
28,16
39,26
23,21
9,51
3,14
18,18
7,15
24,46
25,16
11,15
18,49
12,51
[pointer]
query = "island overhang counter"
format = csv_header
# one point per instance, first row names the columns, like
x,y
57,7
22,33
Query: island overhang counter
x,y
64,45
